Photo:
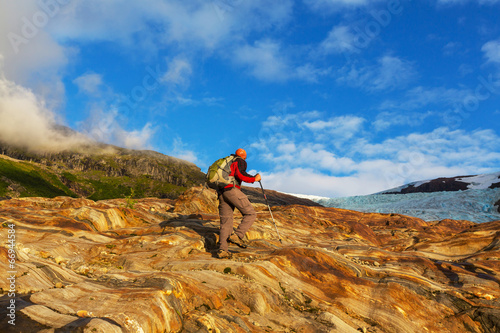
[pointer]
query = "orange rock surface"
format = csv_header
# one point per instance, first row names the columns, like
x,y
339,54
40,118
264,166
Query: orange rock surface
x,y
109,267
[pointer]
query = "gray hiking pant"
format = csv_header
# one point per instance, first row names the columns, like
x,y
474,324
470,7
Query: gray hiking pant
x,y
227,202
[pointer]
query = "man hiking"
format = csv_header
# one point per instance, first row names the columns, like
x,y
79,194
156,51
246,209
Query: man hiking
x,y
231,197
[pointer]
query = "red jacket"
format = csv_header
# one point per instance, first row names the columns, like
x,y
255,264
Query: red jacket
x,y
239,171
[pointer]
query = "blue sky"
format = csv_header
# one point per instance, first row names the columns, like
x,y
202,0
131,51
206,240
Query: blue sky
x,y
328,97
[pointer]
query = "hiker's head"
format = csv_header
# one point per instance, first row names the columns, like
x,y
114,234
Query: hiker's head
x,y
241,153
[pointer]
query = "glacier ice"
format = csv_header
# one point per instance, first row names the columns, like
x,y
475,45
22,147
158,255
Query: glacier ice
x,y
475,205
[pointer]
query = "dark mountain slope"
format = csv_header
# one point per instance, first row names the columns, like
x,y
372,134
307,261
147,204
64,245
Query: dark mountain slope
x,y
442,184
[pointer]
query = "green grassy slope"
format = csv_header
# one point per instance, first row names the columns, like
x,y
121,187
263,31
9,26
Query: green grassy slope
x,y
29,180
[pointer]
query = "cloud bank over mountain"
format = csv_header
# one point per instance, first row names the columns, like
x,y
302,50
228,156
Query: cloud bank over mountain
x,y
26,121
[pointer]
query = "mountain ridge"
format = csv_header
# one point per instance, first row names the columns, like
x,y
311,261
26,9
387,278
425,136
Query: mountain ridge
x,y
102,171
449,184
96,171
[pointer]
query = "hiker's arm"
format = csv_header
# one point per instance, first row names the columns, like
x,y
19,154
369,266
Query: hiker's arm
x,y
241,172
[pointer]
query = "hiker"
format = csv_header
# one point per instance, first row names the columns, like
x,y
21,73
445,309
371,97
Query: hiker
x,y
231,197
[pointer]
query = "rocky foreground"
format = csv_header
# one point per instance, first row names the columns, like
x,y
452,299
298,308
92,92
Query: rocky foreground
x,y
149,266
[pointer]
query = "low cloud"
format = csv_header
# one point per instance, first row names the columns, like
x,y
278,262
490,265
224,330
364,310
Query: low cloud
x,y
26,122
181,151
105,124
310,181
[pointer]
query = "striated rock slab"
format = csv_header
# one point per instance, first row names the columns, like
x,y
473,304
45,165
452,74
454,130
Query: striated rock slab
x,y
105,266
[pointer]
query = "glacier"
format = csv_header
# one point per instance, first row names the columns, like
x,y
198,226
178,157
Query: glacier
x,y
476,205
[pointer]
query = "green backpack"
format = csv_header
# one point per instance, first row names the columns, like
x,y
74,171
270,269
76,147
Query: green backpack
x,y
218,173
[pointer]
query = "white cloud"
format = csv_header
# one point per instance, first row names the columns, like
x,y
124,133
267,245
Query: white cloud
x,y
287,148
306,160
339,40
452,2
39,33
89,83
451,48
179,72
188,101
135,139
461,2
420,97
181,151
441,146
386,119
31,56
309,73
388,74
25,121
36,51
309,126
290,119
492,51
337,129
104,125
334,5
264,60
199,24
26,46
325,160
339,125
310,181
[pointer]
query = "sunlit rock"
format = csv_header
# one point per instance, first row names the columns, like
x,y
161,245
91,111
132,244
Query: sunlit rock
x,y
105,267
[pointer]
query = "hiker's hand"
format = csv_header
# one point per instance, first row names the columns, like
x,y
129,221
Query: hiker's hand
x,y
258,177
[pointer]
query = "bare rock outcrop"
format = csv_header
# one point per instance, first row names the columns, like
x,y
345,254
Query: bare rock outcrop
x,y
109,266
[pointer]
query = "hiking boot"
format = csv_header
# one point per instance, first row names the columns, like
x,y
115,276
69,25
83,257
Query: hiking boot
x,y
237,241
221,254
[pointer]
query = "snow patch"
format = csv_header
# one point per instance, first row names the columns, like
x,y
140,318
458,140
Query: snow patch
x,y
480,182
314,198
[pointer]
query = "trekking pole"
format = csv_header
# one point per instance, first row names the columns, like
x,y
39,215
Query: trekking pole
x,y
267,202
